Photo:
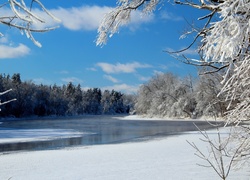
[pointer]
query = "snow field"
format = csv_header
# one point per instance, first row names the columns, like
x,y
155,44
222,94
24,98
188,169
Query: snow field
x,y
170,158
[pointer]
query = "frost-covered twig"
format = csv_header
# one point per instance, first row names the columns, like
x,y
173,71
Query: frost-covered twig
x,y
121,16
6,102
23,18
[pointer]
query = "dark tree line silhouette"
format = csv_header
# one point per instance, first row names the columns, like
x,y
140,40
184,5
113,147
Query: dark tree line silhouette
x,y
44,100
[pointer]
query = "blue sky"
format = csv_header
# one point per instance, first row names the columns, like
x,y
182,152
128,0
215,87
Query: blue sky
x,y
69,53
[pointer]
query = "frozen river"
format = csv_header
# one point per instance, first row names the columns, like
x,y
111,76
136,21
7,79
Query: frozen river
x,y
87,130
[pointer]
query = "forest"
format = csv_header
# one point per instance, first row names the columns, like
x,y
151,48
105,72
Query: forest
x,y
164,95
67,100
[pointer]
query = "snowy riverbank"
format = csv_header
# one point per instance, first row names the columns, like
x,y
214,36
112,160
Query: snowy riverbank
x,y
145,118
169,157
165,158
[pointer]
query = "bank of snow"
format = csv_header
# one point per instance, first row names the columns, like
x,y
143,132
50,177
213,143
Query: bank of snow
x,y
145,118
169,158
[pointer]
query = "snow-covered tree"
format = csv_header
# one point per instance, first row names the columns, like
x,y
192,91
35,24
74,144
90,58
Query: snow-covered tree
x,y
206,93
166,95
24,17
128,102
224,42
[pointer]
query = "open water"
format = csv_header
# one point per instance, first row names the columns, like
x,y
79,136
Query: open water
x,y
96,130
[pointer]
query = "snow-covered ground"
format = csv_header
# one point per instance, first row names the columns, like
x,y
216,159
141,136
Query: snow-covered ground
x,y
169,158
165,158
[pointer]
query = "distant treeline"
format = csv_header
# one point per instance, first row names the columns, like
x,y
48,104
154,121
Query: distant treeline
x,y
168,95
44,100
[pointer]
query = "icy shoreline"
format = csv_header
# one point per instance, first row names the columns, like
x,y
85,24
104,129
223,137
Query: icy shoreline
x,y
164,158
144,118
116,116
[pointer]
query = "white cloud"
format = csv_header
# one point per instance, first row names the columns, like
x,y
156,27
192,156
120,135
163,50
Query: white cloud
x,y
89,17
13,52
142,78
3,39
74,18
170,16
72,79
6,12
110,78
91,69
85,17
163,66
62,72
121,68
158,72
81,18
138,18
125,88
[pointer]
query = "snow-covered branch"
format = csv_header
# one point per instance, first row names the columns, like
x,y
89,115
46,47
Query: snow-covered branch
x,y
6,102
121,16
23,18
202,5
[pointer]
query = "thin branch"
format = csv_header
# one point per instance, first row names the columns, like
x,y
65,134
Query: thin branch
x,y
24,28
188,47
6,102
197,6
2,93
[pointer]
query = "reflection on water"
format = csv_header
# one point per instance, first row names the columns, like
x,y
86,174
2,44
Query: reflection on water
x,y
96,130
